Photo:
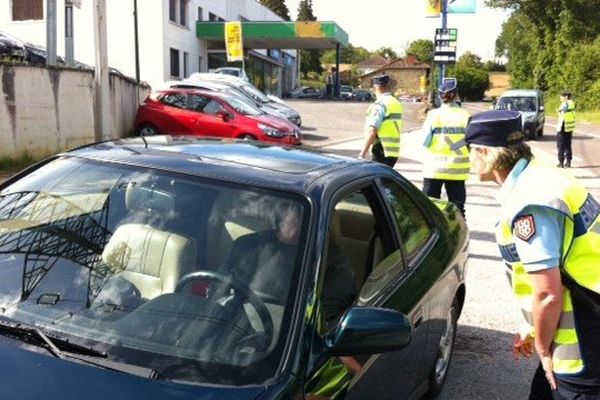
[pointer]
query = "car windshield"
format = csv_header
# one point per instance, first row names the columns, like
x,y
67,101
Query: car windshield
x,y
517,104
243,107
255,94
190,278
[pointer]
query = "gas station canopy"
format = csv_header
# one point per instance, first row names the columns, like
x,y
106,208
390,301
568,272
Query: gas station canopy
x,y
277,35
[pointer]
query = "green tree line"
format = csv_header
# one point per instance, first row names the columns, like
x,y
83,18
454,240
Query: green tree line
x,y
553,45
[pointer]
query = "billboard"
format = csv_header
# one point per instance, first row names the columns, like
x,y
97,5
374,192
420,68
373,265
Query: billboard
x,y
433,8
461,6
233,41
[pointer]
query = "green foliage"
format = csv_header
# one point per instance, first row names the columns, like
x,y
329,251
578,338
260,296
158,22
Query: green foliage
x,y
349,55
472,82
305,11
553,45
310,60
422,49
386,52
278,7
9,164
494,66
471,60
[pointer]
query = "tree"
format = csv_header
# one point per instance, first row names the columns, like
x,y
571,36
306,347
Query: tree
x,y
472,82
310,60
349,55
278,7
386,52
469,59
422,49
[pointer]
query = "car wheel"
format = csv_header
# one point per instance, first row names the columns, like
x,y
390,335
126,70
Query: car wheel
x,y
147,130
439,371
247,136
541,131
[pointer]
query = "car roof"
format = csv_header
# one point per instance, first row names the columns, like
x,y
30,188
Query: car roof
x,y
259,163
521,93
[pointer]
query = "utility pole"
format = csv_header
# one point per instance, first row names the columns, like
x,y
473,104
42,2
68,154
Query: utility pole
x,y
137,43
101,78
51,33
444,10
69,43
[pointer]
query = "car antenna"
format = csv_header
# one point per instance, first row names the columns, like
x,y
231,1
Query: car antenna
x,y
144,139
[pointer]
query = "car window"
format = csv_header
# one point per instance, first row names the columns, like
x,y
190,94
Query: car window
x,y
243,107
374,259
93,251
413,227
198,103
174,100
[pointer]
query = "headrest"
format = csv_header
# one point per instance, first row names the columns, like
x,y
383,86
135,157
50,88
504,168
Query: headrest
x,y
148,199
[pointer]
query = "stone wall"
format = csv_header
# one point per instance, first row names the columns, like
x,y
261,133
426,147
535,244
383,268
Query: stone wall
x,y
45,111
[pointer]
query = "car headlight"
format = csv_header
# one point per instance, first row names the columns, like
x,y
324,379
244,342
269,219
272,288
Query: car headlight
x,y
270,131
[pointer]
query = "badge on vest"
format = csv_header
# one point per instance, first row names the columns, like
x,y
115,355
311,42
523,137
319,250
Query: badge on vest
x,y
524,227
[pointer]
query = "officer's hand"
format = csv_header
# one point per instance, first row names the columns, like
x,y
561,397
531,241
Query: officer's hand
x,y
547,365
522,345
361,156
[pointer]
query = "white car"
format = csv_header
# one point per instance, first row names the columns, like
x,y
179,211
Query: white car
x,y
232,71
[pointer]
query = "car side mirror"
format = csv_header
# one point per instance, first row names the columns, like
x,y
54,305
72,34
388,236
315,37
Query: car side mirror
x,y
224,115
369,330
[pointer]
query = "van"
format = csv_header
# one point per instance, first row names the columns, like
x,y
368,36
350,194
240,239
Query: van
x,y
530,102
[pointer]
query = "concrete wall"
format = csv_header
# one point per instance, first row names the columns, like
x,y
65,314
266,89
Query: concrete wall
x,y
44,111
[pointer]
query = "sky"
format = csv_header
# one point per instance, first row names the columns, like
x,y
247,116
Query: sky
x,y
395,23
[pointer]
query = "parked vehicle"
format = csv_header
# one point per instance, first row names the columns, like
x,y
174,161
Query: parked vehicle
x,y
530,103
208,113
306,92
252,92
124,275
232,71
346,92
362,95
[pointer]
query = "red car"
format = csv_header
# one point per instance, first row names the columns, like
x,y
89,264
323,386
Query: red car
x,y
208,113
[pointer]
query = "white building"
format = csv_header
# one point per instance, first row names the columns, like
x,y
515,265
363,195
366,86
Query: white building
x,y
168,46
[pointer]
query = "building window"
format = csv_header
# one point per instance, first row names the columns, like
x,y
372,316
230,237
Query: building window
x,y
23,10
199,14
199,64
173,10
175,63
183,12
185,64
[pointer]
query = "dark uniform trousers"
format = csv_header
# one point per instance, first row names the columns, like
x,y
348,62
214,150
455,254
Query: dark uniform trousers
x,y
455,189
379,155
563,144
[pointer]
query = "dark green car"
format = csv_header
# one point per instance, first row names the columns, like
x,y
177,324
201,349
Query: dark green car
x,y
188,269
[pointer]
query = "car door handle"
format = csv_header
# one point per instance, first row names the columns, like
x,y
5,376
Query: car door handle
x,y
417,318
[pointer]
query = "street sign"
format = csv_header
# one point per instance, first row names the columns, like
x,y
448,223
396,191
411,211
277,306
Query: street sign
x,y
445,46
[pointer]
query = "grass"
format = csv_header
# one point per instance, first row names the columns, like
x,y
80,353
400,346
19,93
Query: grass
x,y
589,116
10,164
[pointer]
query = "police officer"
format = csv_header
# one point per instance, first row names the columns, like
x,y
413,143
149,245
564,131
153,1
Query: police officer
x,y
548,233
565,128
444,164
383,124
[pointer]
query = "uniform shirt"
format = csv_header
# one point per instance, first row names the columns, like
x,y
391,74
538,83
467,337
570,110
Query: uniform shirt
x,y
544,249
376,112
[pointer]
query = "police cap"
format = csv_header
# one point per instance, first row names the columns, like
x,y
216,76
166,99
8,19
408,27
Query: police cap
x,y
448,85
381,80
497,128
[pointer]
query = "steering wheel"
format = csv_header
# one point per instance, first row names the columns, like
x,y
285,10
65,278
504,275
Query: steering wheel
x,y
240,289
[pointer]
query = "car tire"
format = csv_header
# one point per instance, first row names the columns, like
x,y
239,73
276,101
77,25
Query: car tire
x,y
439,370
147,130
247,136
541,131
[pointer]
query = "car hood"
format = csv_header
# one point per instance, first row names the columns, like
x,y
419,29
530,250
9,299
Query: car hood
x,y
276,122
282,108
34,375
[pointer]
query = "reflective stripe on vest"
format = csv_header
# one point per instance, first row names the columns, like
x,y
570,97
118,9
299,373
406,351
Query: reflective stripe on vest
x,y
389,131
448,126
580,254
569,116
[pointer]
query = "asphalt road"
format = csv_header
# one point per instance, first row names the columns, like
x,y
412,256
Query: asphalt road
x,y
482,365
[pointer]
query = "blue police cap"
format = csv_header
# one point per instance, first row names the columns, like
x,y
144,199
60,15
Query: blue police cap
x,y
448,85
381,80
497,128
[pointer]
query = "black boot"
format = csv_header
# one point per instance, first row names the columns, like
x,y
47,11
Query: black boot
x,y
568,164
560,164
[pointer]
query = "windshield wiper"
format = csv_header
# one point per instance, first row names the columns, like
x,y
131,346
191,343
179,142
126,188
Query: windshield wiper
x,y
64,348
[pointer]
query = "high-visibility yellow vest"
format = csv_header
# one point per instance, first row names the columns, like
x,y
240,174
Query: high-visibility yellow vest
x,y
569,116
580,252
448,126
388,133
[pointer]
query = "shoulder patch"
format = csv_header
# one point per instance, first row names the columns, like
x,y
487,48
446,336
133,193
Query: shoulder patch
x,y
524,227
